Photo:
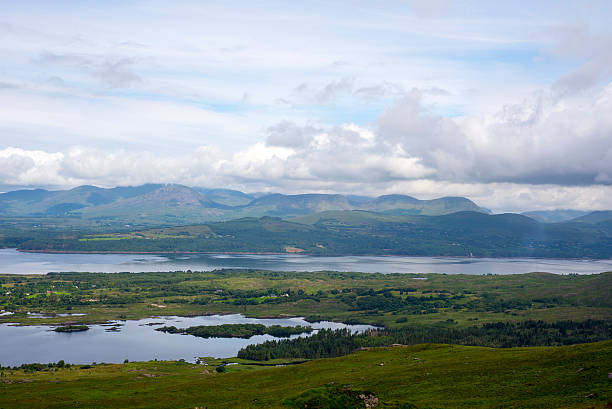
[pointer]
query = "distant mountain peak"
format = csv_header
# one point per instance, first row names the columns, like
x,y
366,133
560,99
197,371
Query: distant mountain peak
x,y
177,203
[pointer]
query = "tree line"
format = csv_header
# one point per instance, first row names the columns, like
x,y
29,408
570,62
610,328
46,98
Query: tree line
x,y
331,343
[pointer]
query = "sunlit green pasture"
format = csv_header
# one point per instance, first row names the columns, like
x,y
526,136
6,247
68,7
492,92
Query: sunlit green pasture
x,y
428,376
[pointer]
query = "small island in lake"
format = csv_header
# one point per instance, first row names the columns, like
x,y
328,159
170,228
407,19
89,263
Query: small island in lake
x,y
236,330
71,328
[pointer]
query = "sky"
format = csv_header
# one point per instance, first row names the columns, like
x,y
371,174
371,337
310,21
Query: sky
x,y
507,103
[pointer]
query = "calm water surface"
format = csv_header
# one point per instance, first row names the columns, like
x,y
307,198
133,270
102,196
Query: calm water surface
x,y
15,262
135,340
138,341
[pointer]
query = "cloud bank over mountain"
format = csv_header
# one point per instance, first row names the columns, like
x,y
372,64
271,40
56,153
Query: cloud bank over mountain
x,y
497,104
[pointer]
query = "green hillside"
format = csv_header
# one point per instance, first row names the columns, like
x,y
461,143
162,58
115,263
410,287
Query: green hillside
x,y
355,217
595,217
408,205
554,216
357,232
420,376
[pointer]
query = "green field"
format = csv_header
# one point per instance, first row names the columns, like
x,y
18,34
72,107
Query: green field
x,y
542,310
391,300
427,376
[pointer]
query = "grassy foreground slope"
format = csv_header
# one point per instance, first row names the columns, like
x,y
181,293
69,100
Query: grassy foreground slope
x,y
427,376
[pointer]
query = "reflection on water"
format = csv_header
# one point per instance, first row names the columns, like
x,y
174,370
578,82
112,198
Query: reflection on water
x,y
135,340
14,262
64,314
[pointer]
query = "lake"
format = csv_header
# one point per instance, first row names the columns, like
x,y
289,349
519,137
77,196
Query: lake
x,y
135,340
16,262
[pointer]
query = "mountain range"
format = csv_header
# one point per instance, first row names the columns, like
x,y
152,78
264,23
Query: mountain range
x,y
172,217
174,204
178,204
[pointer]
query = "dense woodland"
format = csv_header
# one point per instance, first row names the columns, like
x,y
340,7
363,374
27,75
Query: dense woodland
x,y
330,343
236,330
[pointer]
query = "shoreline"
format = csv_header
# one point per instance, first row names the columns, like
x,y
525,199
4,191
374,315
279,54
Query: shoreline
x,y
158,252
51,316
270,253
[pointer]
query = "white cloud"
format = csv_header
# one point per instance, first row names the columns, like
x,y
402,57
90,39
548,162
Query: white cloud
x,y
544,140
508,105
534,151
21,167
546,152
262,168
